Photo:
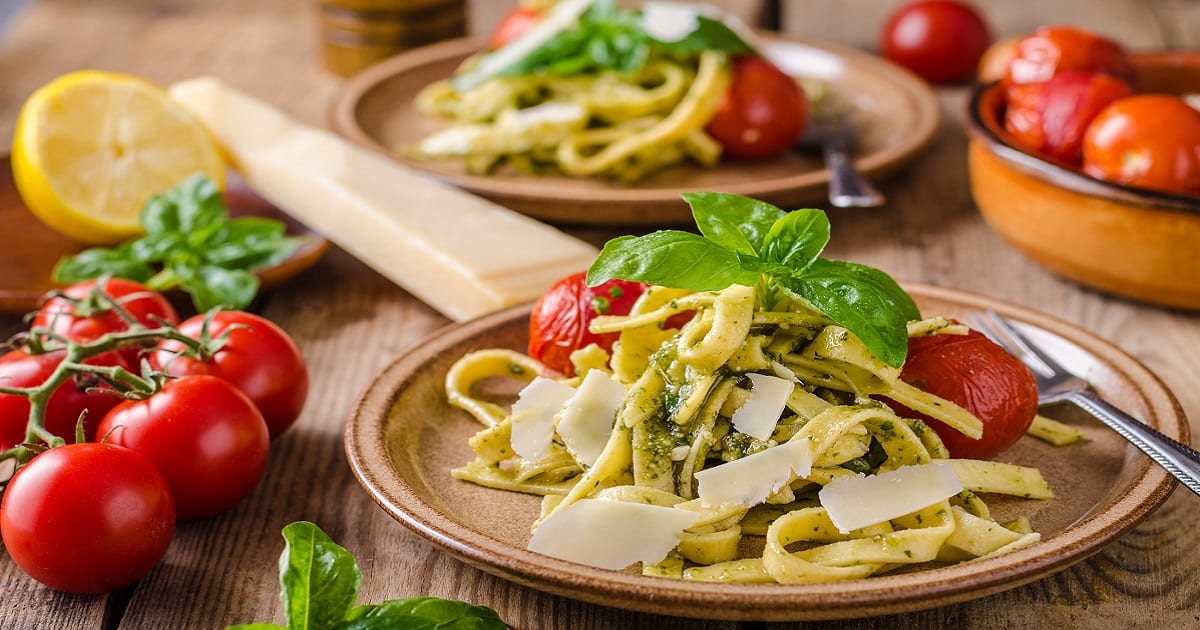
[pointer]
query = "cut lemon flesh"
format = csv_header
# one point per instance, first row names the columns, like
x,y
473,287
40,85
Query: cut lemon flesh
x,y
91,147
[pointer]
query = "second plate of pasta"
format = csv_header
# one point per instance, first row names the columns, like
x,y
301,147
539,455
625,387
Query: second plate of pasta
x,y
894,114
404,438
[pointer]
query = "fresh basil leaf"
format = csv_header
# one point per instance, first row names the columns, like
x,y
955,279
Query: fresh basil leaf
x,y
212,286
198,203
864,300
796,240
734,222
319,578
99,261
709,34
670,258
156,246
390,623
446,614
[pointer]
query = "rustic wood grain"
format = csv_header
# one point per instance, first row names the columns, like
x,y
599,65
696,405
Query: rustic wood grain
x,y
350,323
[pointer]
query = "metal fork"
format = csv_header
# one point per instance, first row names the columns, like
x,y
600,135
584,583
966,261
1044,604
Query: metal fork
x,y
1058,384
829,127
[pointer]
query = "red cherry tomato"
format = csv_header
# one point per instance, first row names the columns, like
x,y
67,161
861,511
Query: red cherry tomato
x,y
1050,117
81,392
939,40
559,322
980,376
87,518
513,24
1052,50
1148,140
763,113
258,358
76,315
206,438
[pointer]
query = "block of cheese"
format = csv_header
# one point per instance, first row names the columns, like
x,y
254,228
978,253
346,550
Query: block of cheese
x,y
461,254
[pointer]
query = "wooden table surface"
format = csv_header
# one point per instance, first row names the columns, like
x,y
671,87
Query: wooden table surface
x,y
351,322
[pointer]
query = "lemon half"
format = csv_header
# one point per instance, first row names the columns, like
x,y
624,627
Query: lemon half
x,y
91,147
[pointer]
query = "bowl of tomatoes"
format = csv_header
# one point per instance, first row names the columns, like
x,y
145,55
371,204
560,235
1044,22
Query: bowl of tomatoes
x,y
1086,158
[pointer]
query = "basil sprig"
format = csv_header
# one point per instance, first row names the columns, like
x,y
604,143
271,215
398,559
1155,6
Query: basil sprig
x,y
750,242
191,243
608,37
319,583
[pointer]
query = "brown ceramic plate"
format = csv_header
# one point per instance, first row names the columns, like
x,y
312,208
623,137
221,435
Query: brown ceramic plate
x,y
895,115
29,250
403,438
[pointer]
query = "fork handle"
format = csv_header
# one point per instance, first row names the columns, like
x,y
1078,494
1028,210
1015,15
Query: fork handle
x,y
1181,460
847,187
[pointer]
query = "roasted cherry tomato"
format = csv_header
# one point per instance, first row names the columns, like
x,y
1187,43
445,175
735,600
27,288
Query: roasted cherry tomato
x,y
513,24
87,518
257,357
1148,140
763,113
980,376
206,438
559,322
79,316
939,40
79,394
1050,117
1052,50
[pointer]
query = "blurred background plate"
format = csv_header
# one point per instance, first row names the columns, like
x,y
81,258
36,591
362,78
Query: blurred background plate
x,y
896,115
29,250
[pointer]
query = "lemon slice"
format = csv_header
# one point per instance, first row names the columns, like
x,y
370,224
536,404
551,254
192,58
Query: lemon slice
x,y
91,147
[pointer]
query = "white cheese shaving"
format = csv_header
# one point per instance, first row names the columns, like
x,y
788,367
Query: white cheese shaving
x,y
671,21
533,416
587,418
760,413
750,480
611,534
858,501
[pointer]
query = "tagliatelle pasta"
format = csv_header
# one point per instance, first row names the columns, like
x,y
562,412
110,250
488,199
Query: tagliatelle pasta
x,y
695,397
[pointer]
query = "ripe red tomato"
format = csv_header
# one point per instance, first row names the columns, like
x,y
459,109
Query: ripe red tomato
x,y
258,358
939,40
206,438
79,393
980,376
1051,50
87,518
78,316
763,113
1148,140
513,24
1050,117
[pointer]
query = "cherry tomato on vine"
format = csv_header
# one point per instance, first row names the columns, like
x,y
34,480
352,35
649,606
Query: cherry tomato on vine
x,y
513,24
87,518
941,41
206,438
80,393
76,316
257,357
1050,117
1052,50
763,113
1148,140
980,376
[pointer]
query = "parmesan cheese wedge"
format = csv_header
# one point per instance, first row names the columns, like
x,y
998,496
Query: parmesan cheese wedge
x,y
586,421
760,413
750,480
611,534
461,254
533,416
858,501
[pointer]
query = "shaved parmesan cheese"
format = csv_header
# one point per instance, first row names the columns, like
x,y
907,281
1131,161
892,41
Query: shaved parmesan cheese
x,y
751,479
611,534
856,502
533,416
671,21
587,418
760,413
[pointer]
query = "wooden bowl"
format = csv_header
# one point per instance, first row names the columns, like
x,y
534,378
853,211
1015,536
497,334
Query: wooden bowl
x,y
1128,241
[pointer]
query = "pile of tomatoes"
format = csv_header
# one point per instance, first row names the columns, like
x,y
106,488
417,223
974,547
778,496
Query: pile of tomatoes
x,y
1072,97
970,370
175,419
